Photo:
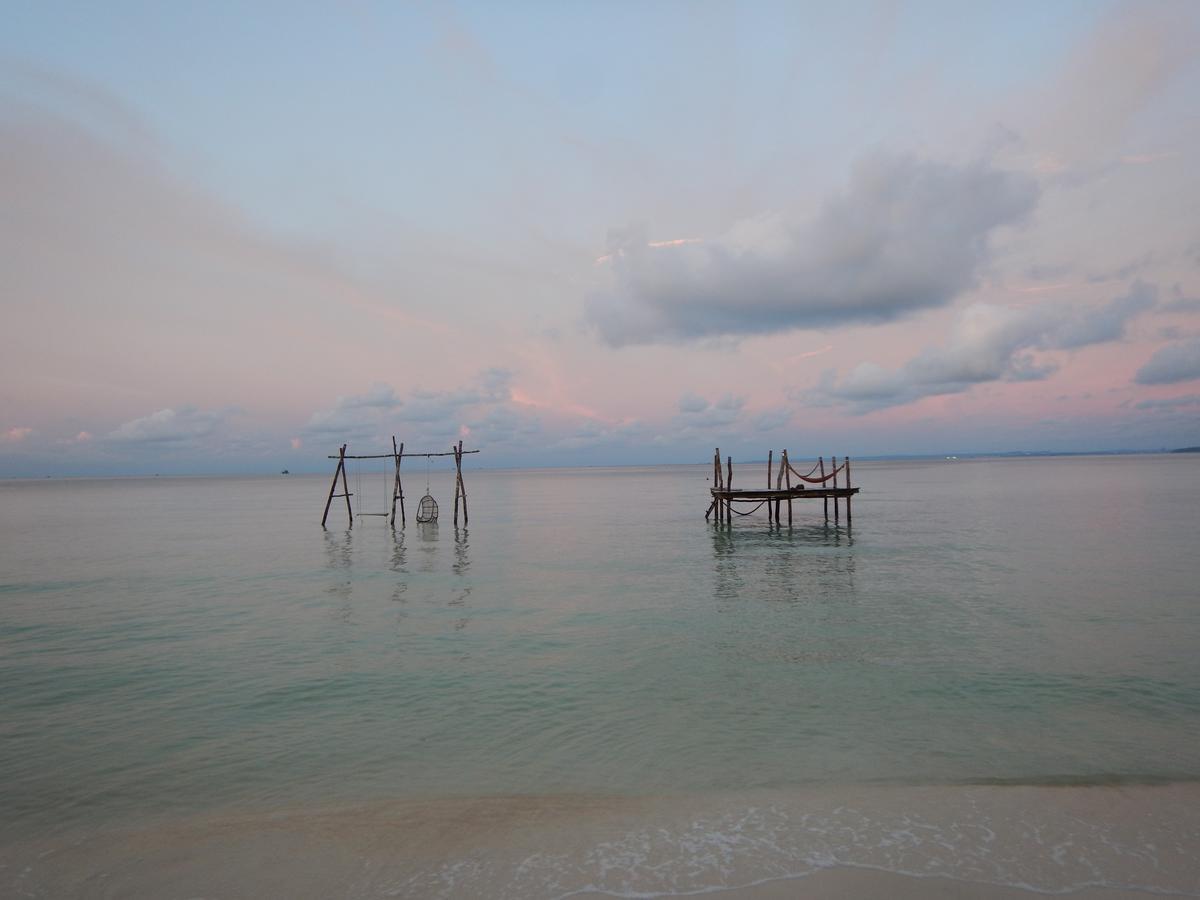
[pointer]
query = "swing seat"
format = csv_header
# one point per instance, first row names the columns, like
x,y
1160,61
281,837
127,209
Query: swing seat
x,y
427,511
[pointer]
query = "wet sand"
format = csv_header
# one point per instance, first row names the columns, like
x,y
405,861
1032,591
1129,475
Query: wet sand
x,y
986,841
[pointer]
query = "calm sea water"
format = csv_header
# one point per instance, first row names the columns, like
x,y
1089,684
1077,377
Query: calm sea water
x,y
170,646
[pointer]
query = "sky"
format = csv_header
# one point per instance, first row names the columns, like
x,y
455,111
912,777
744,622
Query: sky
x,y
234,236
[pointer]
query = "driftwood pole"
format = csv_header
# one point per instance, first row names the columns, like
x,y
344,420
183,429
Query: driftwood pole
x,y
459,486
397,487
713,505
341,466
835,498
779,481
770,455
719,484
454,450
821,462
729,487
849,515
787,480
346,488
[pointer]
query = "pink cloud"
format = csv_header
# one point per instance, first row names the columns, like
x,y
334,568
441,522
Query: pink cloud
x,y
16,435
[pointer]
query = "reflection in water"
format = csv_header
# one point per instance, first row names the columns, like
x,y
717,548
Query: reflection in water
x,y
339,551
399,567
462,559
804,577
781,563
462,562
427,548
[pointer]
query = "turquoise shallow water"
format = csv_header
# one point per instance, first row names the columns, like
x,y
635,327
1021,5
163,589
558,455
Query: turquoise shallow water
x,y
169,646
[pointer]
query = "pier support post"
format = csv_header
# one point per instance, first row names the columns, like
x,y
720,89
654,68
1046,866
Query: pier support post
x,y
821,462
770,456
787,480
835,497
849,515
719,484
729,487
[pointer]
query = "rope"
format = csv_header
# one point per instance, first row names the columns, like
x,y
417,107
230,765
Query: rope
x,y
749,511
816,480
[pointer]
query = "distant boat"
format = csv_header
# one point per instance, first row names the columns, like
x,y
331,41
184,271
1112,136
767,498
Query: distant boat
x,y
285,472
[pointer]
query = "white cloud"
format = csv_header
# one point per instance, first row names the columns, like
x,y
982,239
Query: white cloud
x,y
169,426
905,235
429,417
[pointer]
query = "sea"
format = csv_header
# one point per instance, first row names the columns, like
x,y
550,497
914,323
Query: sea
x,y
990,676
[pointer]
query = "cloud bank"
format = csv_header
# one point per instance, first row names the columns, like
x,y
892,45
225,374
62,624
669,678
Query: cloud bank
x,y
989,343
905,235
1172,364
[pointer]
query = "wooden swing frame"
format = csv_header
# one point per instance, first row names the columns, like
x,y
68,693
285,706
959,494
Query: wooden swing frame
x,y
397,454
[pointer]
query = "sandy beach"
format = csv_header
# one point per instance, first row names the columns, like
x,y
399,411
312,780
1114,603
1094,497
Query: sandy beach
x,y
988,841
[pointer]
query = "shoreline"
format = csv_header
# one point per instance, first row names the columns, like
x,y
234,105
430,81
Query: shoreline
x,y
1104,841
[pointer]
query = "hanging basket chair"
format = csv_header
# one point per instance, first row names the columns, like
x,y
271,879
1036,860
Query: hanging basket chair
x,y
427,511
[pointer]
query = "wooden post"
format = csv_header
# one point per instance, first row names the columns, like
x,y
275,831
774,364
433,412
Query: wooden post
x,y
821,463
787,480
719,484
849,516
770,455
397,488
729,487
835,499
454,450
461,485
341,466
346,489
779,481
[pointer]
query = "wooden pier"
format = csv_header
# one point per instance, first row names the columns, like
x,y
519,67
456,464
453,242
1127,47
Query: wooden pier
x,y
725,495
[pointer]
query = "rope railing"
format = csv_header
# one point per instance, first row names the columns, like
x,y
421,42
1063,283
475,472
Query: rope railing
x,y
820,480
738,512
